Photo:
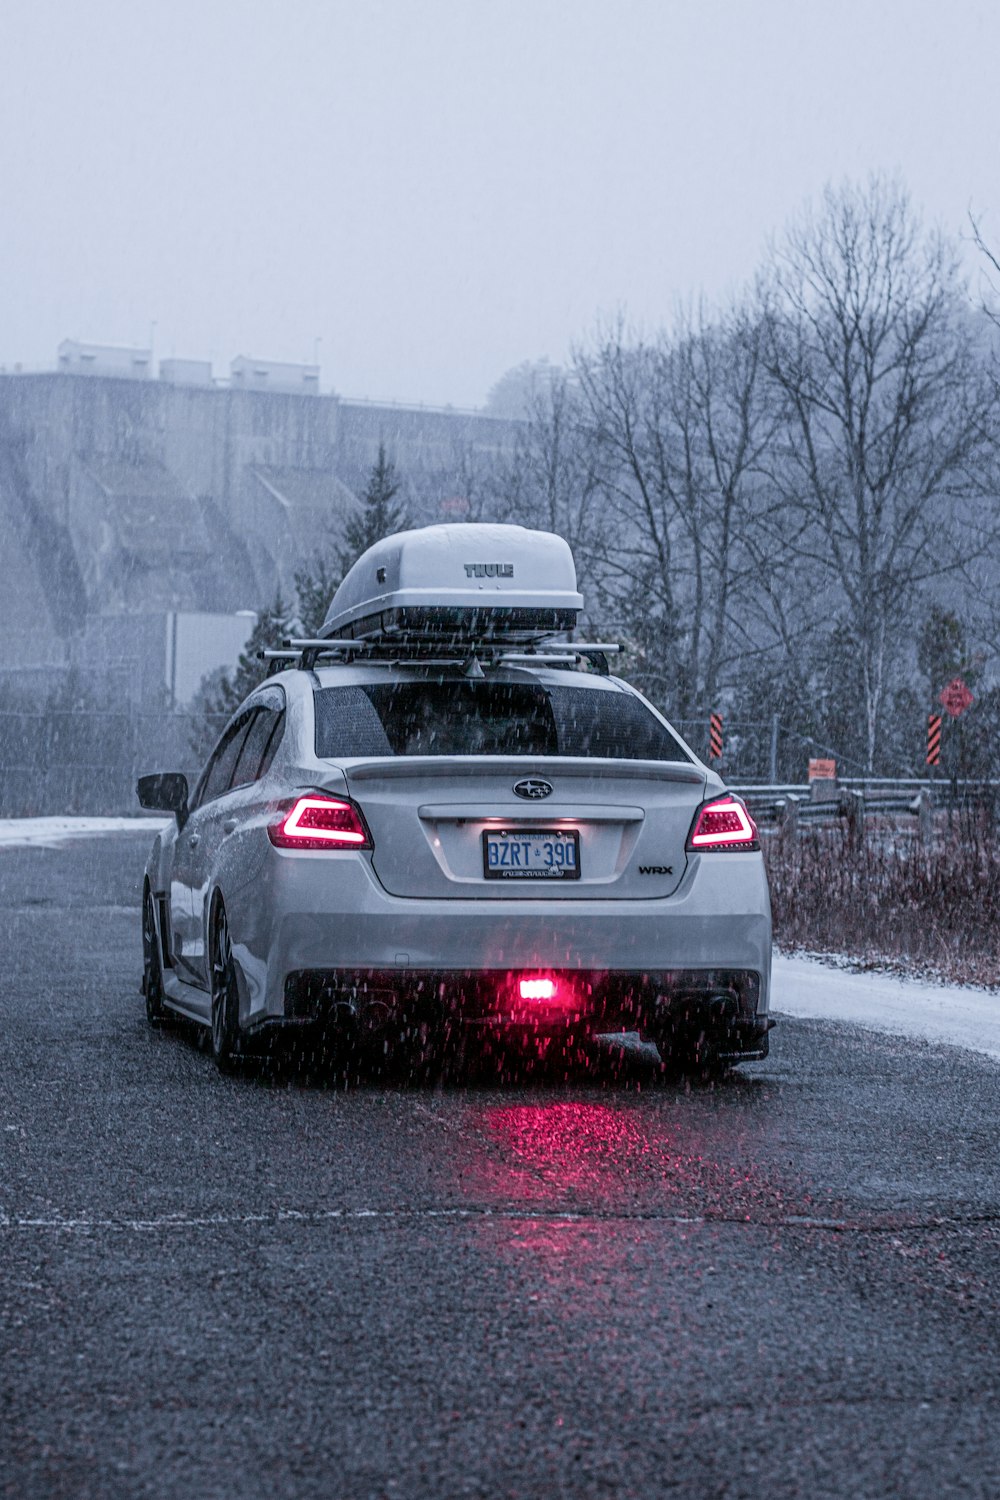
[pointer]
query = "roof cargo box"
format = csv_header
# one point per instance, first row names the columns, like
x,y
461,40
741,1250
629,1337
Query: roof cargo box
x,y
480,581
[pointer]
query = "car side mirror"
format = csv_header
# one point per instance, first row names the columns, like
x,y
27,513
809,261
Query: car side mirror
x,y
164,791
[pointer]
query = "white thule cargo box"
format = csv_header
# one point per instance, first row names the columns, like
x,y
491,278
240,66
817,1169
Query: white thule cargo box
x,y
462,580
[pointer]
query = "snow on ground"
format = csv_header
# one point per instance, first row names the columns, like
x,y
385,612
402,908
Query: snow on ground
x,y
955,1014
49,833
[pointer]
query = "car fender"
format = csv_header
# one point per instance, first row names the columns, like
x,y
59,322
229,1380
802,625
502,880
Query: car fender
x,y
160,859
251,971
153,865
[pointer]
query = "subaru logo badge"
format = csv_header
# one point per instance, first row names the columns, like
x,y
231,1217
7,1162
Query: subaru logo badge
x,y
533,788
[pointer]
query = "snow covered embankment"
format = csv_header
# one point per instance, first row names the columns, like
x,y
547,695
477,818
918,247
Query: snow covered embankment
x,y
956,1015
49,833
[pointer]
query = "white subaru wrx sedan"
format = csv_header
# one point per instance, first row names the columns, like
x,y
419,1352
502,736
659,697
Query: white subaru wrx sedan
x,y
443,815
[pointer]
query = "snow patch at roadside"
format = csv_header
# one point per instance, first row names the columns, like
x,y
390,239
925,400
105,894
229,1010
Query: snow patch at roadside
x,y
49,833
954,1014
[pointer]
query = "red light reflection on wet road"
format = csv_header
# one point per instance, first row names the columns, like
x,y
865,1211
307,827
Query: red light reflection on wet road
x,y
609,1168
554,1150
686,1158
604,1200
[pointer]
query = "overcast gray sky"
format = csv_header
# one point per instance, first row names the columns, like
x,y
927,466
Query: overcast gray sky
x,y
439,189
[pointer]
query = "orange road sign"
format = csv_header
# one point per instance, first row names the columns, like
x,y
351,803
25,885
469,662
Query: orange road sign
x,y
822,770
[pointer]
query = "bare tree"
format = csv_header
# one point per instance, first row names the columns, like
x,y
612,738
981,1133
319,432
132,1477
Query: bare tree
x,y
551,479
988,303
886,445
470,488
681,430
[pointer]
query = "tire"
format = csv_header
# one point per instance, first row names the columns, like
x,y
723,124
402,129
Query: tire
x,y
226,1038
152,966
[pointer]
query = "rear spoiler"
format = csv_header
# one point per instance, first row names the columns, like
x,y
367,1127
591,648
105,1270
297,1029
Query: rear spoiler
x,y
401,767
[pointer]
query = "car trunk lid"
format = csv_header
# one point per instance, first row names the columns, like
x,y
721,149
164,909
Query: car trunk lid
x,y
604,830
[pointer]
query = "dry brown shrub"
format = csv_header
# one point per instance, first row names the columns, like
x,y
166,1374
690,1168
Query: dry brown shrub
x,y
932,908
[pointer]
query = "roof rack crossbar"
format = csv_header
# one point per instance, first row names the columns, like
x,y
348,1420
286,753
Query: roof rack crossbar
x,y
308,643
308,651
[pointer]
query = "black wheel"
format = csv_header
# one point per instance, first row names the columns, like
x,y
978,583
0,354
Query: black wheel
x,y
225,997
152,968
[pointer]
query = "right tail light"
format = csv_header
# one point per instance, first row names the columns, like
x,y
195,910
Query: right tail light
x,y
720,825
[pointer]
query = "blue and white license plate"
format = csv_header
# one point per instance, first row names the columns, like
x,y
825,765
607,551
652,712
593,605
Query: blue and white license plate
x,y
531,854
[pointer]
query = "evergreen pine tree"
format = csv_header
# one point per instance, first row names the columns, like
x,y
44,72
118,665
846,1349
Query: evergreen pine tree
x,y
220,693
941,650
381,514
944,652
315,586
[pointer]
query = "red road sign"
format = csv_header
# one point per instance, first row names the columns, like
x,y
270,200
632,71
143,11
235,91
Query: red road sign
x,y
955,698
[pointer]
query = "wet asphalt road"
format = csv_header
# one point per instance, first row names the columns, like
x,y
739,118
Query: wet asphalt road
x,y
785,1284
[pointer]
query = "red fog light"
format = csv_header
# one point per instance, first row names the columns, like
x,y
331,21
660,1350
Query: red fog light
x,y
538,989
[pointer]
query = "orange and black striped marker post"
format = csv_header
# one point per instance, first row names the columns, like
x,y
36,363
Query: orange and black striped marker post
x,y
933,739
715,737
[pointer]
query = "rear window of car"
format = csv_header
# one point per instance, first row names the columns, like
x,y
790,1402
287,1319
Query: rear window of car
x,y
488,718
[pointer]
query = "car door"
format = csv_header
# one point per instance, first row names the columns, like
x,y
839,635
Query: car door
x,y
193,843
243,754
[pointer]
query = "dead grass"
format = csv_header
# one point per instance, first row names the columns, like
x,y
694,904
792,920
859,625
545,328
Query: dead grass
x,y
893,902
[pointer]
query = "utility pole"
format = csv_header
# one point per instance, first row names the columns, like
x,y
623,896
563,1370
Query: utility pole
x,y
774,750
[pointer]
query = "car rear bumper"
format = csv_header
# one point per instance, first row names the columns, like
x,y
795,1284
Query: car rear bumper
x,y
330,915
674,1007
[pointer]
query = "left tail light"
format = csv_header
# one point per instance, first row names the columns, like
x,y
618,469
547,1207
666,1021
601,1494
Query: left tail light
x,y
321,823
722,824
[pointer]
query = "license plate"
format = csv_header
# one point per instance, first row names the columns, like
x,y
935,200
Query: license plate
x,y
531,854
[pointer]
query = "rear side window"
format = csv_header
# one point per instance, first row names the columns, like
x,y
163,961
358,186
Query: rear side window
x,y
487,718
273,741
261,740
223,762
